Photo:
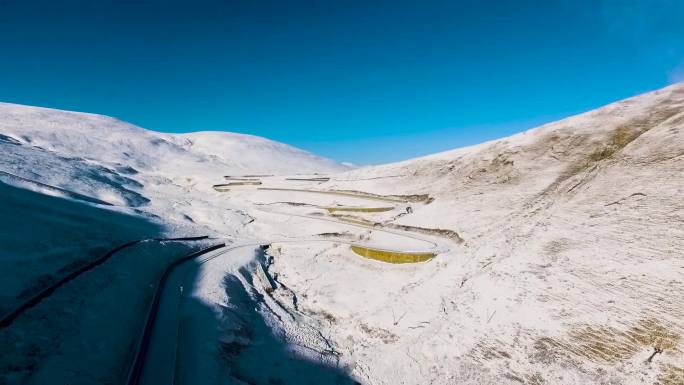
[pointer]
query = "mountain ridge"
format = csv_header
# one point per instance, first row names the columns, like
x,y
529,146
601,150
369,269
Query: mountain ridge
x,y
95,136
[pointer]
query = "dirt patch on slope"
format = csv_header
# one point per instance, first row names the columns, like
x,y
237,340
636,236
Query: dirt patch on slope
x,y
609,345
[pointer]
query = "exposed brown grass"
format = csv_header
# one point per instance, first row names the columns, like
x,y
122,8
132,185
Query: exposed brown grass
x,y
444,233
384,335
491,353
618,139
671,375
607,345
614,142
328,316
626,133
534,379
338,235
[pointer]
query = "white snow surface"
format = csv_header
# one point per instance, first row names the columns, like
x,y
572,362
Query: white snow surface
x,y
257,155
559,250
104,139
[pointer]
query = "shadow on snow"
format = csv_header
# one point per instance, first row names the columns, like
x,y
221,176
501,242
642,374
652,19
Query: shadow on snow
x,y
246,348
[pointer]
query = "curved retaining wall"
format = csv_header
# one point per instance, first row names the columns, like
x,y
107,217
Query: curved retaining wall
x,y
221,187
391,256
339,193
359,209
243,183
228,177
319,179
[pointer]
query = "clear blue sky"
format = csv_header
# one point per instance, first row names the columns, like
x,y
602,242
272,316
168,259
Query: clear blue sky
x,y
360,81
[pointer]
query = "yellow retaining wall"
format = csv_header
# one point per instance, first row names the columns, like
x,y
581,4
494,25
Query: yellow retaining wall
x,y
360,209
319,179
251,183
228,177
355,220
226,186
340,193
425,198
391,256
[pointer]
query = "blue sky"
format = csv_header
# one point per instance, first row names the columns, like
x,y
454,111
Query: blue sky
x,y
361,81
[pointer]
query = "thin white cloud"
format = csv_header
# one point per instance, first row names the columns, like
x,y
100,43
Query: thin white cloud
x,y
676,75
651,27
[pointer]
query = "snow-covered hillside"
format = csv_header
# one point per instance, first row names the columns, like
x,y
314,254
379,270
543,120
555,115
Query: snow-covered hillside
x,y
554,255
103,139
74,186
571,270
256,155
124,165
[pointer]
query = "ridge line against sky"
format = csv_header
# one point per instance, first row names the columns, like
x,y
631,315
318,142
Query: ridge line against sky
x,y
353,81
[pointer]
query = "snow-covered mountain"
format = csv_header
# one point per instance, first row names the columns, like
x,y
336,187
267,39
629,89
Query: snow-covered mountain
x,y
559,252
108,159
257,155
102,171
571,269
104,139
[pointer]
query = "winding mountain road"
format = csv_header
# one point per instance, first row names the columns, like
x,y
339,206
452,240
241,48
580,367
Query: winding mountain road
x,y
178,329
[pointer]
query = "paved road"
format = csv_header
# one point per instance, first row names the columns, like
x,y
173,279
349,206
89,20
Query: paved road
x,y
161,357
183,329
434,246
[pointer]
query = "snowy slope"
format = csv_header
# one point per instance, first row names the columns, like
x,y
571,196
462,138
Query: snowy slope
x,y
75,185
104,160
560,248
104,139
257,155
571,271
125,165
